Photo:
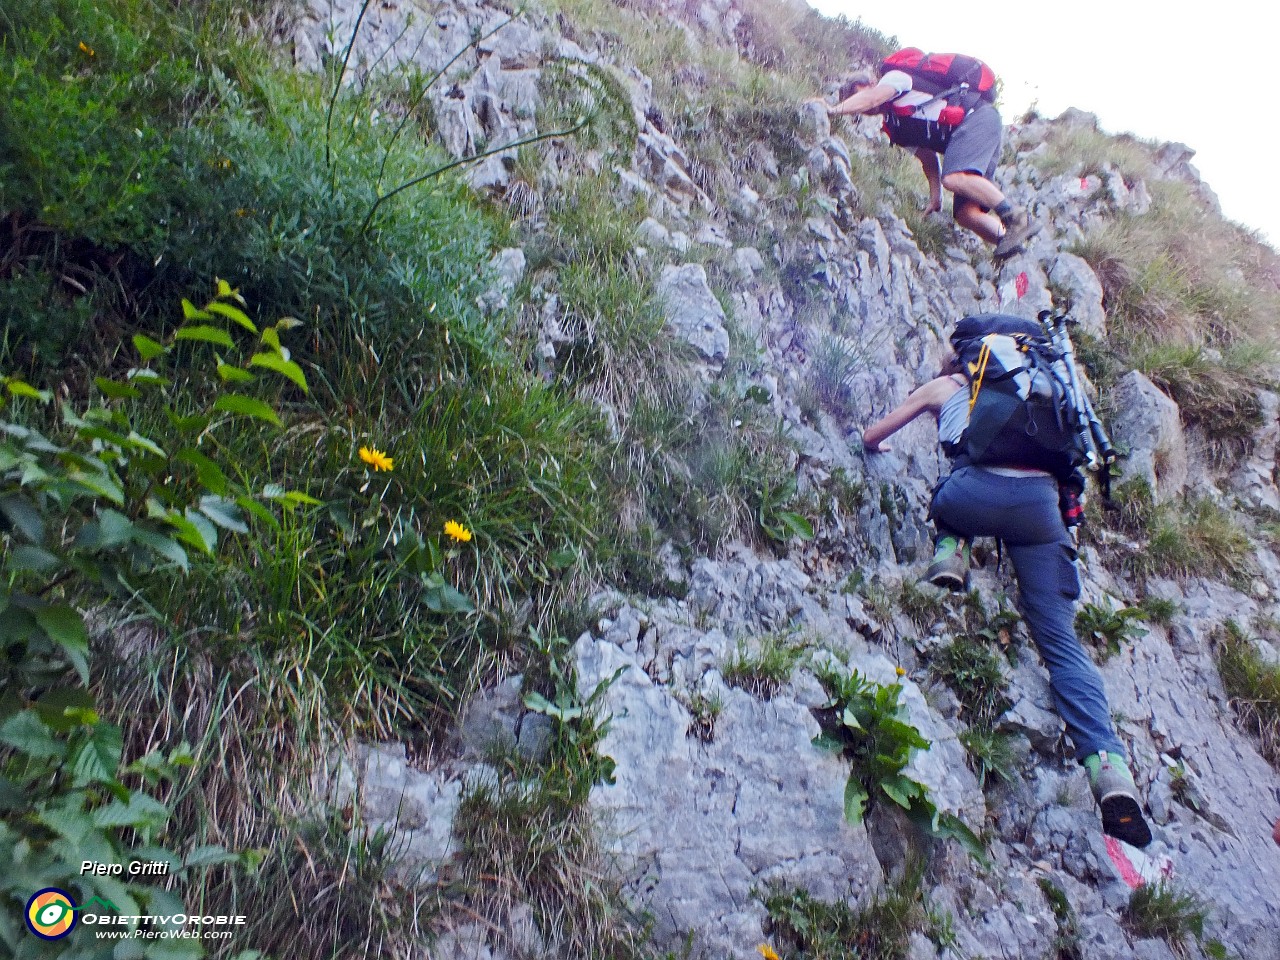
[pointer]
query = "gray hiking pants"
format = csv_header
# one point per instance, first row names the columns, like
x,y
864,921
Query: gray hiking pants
x,y
1023,512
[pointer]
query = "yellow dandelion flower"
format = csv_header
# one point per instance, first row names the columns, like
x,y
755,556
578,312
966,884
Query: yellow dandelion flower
x,y
899,671
376,458
456,530
768,952
86,49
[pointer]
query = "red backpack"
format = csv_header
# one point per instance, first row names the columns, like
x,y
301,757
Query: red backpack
x,y
943,74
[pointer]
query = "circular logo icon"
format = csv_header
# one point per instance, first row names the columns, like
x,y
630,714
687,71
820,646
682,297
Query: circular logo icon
x,y
51,913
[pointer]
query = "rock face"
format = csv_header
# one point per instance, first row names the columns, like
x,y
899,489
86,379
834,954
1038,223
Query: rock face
x,y
719,791
693,312
1151,428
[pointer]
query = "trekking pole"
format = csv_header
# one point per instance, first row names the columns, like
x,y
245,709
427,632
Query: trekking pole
x,y
1099,450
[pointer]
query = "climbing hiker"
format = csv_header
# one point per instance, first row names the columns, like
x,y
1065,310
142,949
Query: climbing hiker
x,y
1275,831
941,106
1018,503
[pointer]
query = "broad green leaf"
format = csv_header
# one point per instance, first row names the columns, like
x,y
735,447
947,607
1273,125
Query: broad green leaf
x,y
20,388
99,484
97,759
562,559
65,627
65,708
210,855
562,712
191,312
246,406
208,473
233,313
272,339
114,528
232,374
146,377
224,288
194,423
32,559
286,368
24,516
901,790
206,333
116,391
26,733
147,348
252,507
287,323
224,513
138,441
440,597
855,801
195,530
141,811
796,525
164,546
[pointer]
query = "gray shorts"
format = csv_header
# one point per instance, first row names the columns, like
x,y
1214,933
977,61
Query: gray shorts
x,y
975,144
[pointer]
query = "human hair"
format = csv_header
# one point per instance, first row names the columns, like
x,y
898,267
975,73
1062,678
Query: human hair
x,y
854,83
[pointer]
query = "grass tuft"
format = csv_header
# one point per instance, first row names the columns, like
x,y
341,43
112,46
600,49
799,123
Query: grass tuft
x,y
1253,684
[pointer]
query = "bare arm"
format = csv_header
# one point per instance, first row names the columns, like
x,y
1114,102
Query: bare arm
x,y
933,173
868,98
926,399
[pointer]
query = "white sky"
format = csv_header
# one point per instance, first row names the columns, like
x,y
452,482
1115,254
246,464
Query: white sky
x,y
1204,75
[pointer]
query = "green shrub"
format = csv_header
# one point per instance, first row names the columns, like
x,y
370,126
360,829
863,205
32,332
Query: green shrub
x,y
93,511
864,722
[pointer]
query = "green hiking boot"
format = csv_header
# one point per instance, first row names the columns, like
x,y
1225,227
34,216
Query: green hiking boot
x,y
950,567
1018,229
1113,788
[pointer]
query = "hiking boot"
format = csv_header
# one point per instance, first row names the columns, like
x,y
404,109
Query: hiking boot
x,y
1117,797
950,567
1018,229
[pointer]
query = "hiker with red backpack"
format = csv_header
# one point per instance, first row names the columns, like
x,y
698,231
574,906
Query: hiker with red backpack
x,y
942,106
1017,432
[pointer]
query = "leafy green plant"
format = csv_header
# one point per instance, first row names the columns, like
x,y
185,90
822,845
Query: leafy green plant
x,y
1108,627
92,509
762,666
864,722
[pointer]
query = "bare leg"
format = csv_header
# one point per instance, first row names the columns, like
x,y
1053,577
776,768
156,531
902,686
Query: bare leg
x,y
971,216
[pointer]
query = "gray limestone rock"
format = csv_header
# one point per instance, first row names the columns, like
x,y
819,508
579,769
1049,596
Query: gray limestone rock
x,y
1150,426
693,312
1076,278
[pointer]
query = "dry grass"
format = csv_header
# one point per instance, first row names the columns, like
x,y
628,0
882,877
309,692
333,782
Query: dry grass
x,y
1082,151
1253,684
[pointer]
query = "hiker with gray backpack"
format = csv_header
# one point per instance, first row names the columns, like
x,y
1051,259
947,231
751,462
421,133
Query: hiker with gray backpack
x,y
1018,428
942,107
